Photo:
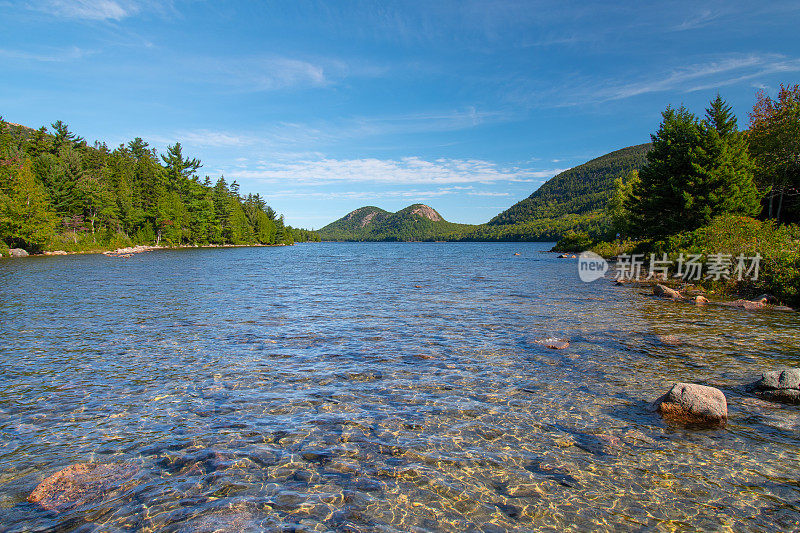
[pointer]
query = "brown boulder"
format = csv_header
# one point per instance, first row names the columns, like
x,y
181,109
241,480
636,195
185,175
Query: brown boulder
x,y
700,300
80,484
662,291
690,404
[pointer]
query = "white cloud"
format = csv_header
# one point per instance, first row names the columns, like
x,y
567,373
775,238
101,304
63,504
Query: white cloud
x,y
408,170
488,193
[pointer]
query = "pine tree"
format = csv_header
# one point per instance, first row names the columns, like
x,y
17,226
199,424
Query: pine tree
x,y
662,199
178,168
719,115
726,168
62,137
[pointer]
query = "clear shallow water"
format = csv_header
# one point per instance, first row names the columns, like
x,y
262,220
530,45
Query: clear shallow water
x,y
381,387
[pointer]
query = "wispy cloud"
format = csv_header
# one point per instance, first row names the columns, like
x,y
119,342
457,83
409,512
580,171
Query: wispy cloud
x,y
292,141
698,20
408,170
87,9
702,76
72,53
101,10
714,73
417,194
264,73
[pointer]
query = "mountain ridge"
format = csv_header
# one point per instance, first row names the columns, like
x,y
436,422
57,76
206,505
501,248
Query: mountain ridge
x,y
371,223
573,200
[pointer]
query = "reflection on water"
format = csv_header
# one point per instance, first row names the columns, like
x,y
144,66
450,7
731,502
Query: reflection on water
x,y
389,387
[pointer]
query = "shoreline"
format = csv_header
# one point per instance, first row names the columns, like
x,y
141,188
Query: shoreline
x,y
140,248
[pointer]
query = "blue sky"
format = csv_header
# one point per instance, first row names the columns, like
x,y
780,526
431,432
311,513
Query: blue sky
x,y
323,107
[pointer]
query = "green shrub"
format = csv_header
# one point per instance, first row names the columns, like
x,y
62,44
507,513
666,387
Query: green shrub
x,y
3,249
86,242
613,249
573,242
778,245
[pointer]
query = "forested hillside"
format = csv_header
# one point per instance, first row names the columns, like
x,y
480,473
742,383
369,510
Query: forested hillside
x,y
59,192
578,190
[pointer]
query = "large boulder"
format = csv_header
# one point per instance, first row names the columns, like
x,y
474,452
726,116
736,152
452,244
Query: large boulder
x,y
80,484
779,386
690,404
17,252
662,291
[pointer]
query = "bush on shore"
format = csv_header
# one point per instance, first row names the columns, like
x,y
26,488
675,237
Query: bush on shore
x,y
573,242
86,242
778,245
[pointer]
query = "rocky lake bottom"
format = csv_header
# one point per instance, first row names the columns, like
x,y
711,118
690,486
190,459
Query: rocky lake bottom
x,y
379,387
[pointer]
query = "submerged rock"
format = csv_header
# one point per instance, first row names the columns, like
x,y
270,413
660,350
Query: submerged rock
x,y
693,405
670,340
779,386
662,291
553,343
747,305
17,252
80,484
598,444
767,299
700,300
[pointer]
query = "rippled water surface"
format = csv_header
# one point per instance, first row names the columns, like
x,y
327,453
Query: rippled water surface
x,y
381,387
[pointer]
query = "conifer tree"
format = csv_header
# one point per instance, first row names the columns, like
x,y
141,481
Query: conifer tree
x,y
695,171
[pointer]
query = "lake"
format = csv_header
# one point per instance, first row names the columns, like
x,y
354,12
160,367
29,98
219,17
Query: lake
x,y
382,387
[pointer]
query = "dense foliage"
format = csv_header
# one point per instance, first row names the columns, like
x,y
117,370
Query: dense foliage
x,y
774,139
56,191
